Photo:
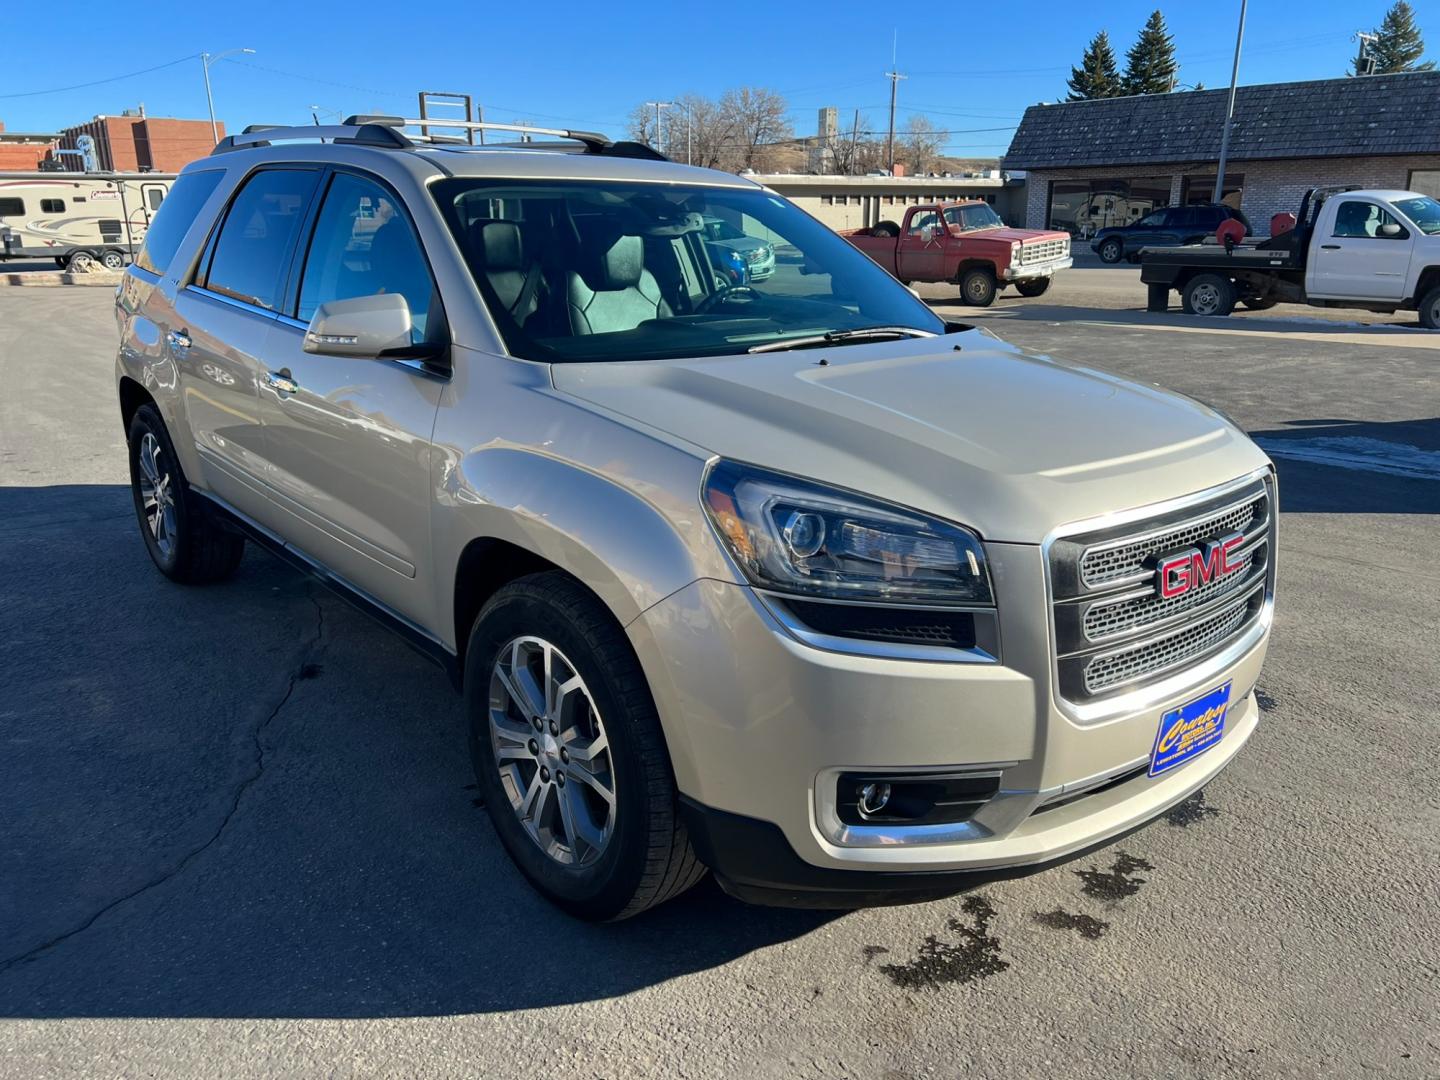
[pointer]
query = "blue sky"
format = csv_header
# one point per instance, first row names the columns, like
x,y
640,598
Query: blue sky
x,y
587,65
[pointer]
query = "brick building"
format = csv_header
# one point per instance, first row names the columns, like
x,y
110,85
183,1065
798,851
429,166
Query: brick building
x,y
23,151
134,142
1091,164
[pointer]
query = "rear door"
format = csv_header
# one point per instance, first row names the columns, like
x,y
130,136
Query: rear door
x,y
1351,258
220,324
348,440
920,255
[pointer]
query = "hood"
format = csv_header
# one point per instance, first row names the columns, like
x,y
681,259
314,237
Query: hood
x,y
1009,235
963,426
740,243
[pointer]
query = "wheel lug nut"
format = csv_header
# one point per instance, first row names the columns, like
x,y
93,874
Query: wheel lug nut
x,y
539,724
544,774
554,728
565,755
534,747
560,778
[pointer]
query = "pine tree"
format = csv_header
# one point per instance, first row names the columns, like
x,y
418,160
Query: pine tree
x,y
1150,65
1097,76
1398,43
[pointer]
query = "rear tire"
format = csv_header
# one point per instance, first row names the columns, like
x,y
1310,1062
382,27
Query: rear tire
x,y
1430,309
77,262
977,288
1259,303
885,228
112,260
184,540
1034,287
1111,250
548,821
1208,294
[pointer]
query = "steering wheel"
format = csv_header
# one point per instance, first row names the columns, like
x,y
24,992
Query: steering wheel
x,y
721,296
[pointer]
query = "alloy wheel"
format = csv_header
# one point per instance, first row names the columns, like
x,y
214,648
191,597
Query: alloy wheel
x,y
157,494
550,747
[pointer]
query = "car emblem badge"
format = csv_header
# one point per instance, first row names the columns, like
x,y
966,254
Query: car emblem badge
x,y
1179,572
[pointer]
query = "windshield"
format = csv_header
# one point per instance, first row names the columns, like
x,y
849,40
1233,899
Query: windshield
x,y
973,217
577,270
1423,211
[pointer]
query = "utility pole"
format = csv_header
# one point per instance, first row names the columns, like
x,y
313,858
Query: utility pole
x,y
894,77
205,61
689,127
855,145
659,141
1229,109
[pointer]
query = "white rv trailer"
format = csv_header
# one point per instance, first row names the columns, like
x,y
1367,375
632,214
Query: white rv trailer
x,y
77,218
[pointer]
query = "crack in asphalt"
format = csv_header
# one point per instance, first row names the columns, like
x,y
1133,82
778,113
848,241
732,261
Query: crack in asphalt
x,y
305,669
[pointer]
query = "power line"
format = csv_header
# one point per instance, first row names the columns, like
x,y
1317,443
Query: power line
x,y
100,82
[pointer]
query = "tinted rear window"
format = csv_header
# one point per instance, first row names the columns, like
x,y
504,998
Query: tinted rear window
x,y
173,221
255,243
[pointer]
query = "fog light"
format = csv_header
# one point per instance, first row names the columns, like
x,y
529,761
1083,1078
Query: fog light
x,y
873,799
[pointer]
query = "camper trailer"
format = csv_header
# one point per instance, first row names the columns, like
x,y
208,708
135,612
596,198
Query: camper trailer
x,y
78,219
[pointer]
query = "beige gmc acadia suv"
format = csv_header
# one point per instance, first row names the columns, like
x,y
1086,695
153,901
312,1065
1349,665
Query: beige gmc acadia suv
x,y
786,578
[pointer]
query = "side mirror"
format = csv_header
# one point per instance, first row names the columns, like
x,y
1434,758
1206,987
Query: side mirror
x,y
365,327
1390,230
927,233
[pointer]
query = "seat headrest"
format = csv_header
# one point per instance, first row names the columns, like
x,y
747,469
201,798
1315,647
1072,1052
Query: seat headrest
x,y
498,243
616,263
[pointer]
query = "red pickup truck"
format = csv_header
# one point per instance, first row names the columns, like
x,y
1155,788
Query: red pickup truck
x,y
967,243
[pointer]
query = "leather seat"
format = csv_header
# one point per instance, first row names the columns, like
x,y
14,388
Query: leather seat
x,y
613,291
501,253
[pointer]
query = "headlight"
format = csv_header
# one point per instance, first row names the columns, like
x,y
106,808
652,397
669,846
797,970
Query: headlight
x,y
796,536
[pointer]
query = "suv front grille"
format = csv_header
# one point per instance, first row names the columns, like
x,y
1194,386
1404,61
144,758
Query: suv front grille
x,y
1113,629
1033,251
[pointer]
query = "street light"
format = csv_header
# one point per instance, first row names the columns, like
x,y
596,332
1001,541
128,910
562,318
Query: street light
x,y
206,59
658,105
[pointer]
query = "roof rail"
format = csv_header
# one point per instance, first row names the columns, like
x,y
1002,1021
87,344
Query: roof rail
x,y
387,132
378,135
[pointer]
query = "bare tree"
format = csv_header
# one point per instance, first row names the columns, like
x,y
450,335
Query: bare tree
x,y
920,145
756,118
642,124
711,133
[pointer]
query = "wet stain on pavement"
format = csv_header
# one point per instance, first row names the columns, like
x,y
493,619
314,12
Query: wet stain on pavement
x,y
312,671
1086,926
1117,883
1190,811
1267,701
975,955
872,951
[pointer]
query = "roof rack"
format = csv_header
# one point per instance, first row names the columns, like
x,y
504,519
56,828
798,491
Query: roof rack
x,y
386,132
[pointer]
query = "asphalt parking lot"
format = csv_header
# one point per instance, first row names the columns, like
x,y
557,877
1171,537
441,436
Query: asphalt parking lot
x,y
239,835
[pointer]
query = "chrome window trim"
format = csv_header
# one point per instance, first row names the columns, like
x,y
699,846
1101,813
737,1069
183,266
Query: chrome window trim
x,y
241,305
1145,697
774,604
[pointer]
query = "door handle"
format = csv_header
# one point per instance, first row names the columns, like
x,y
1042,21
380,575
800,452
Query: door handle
x,y
1330,247
178,339
281,381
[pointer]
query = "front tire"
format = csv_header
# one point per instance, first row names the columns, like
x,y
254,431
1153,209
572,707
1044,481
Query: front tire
x,y
1034,287
1111,251
184,541
78,262
977,288
1259,303
568,752
112,260
1208,294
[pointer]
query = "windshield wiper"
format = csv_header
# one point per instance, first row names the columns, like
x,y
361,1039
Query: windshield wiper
x,y
840,337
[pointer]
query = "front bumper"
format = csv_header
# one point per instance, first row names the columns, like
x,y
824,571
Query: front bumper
x,y
1037,270
759,725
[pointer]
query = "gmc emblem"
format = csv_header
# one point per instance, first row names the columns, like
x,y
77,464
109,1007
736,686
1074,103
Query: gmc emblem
x,y
1180,571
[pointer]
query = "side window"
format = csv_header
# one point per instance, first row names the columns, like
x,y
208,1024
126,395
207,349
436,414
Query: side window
x,y
1152,221
12,207
253,249
921,220
154,197
163,237
52,206
364,245
1361,219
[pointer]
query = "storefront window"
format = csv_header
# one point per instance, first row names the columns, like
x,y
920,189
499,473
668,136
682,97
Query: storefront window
x,y
1083,207
1200,188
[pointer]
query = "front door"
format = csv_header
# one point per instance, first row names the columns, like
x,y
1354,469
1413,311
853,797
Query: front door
x,y
221,326
1361,259
348,440
921,254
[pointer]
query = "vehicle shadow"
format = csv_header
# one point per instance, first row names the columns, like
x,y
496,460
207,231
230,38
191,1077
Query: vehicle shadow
x,y
246,800
1339,466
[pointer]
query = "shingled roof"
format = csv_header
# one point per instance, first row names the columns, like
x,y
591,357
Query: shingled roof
x,y
1360,117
